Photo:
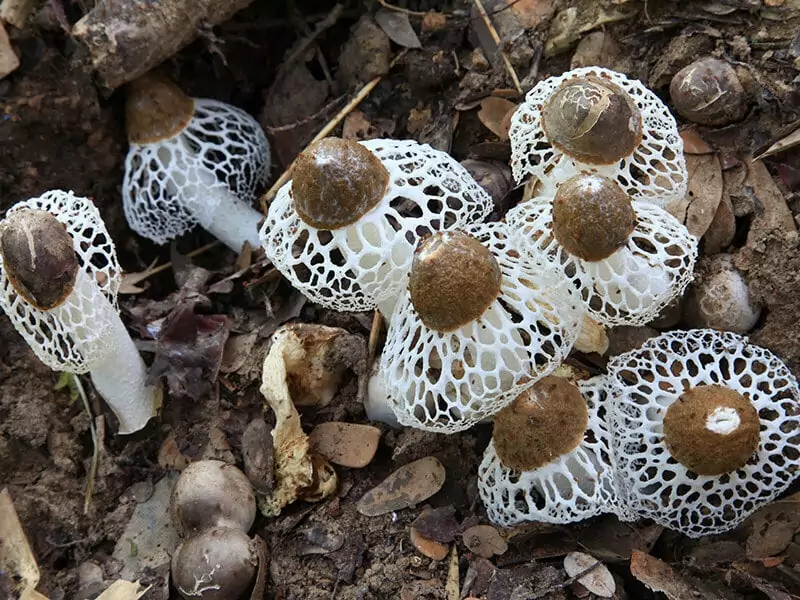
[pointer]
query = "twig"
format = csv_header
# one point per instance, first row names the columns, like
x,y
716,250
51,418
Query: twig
x,y
95,442
168,264
493,32
374,333
412,13
347,109
305,44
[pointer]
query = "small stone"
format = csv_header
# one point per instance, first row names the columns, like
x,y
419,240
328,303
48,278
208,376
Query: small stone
x,y
598,581
428,547
484,540
346,444
408,486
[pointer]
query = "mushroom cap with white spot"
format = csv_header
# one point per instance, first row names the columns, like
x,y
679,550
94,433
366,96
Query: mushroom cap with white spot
x,y
66,337
655,171
447,382
575,486
646,381
355,267
636,282
172,185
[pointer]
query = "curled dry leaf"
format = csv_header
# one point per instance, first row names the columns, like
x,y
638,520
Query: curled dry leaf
x,y
428,547
16,557
408,486
693,143
294,464
592,337
484,540
786,142
494,114
397,26
697,209
773,527
598,580
346,444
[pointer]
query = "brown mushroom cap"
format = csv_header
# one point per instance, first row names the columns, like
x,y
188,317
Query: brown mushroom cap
x,y
454,279
592,216
38,257
336,182
708,91
155,109
546,421
711,430
216,564
592,120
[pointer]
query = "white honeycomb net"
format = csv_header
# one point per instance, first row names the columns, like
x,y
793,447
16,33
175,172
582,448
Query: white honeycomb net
x,y
636,282
170,186
655,171
355,267
649,379
65,337
573,487
447,382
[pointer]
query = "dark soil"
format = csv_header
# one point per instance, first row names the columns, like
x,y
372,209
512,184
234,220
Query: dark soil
x,y
58,130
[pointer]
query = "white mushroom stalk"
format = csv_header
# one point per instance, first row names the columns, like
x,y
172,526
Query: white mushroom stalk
x,y
598,121
702,401
191,162
343,231
483,323
59,278
628,261
569,487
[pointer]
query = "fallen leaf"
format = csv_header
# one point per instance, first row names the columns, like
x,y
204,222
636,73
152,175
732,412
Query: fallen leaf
x,y
493,114
484,540
130,281
438,524
397,26
661,577
408,486
170,456
772,212
773,527
123,590
237,350
319,539
346,444
786,142
598,581
572,22
693,143
697,208
16,557
428,547
257,455
9,61
610,539
722,229
150,531
597,49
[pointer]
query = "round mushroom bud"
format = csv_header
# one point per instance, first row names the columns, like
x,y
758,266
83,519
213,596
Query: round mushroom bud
x,y
598,121
706,429
218,563
59,279
191,162
550,456
479,323
719,297
343,231
212,493
708,92
628,259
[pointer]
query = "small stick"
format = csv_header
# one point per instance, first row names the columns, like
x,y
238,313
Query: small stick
x,y
493,32
346,110
374,333
95,443
412,13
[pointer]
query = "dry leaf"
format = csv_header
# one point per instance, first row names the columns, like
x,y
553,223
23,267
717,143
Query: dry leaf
x,y
789,141
693,143
484,540
697,208
294,467
428,547
237,350
598,49
408,486
773,527
493,115
16,556
572,22
8,58
123,590
775,214
531,13
451,588
396,25
719,234
346,444
598,581
130,280
661,577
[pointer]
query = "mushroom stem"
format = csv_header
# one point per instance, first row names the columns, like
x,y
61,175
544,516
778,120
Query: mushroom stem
x,y
234,222
120,375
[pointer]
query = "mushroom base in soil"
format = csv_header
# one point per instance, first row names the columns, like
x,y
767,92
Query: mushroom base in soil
x,y
59,278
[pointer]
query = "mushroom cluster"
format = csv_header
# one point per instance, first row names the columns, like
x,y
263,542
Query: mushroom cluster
x,y
695,430
213,504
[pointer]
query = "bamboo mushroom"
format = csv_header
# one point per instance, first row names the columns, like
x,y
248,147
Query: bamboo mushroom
x,y
598,121
191,161
59,278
